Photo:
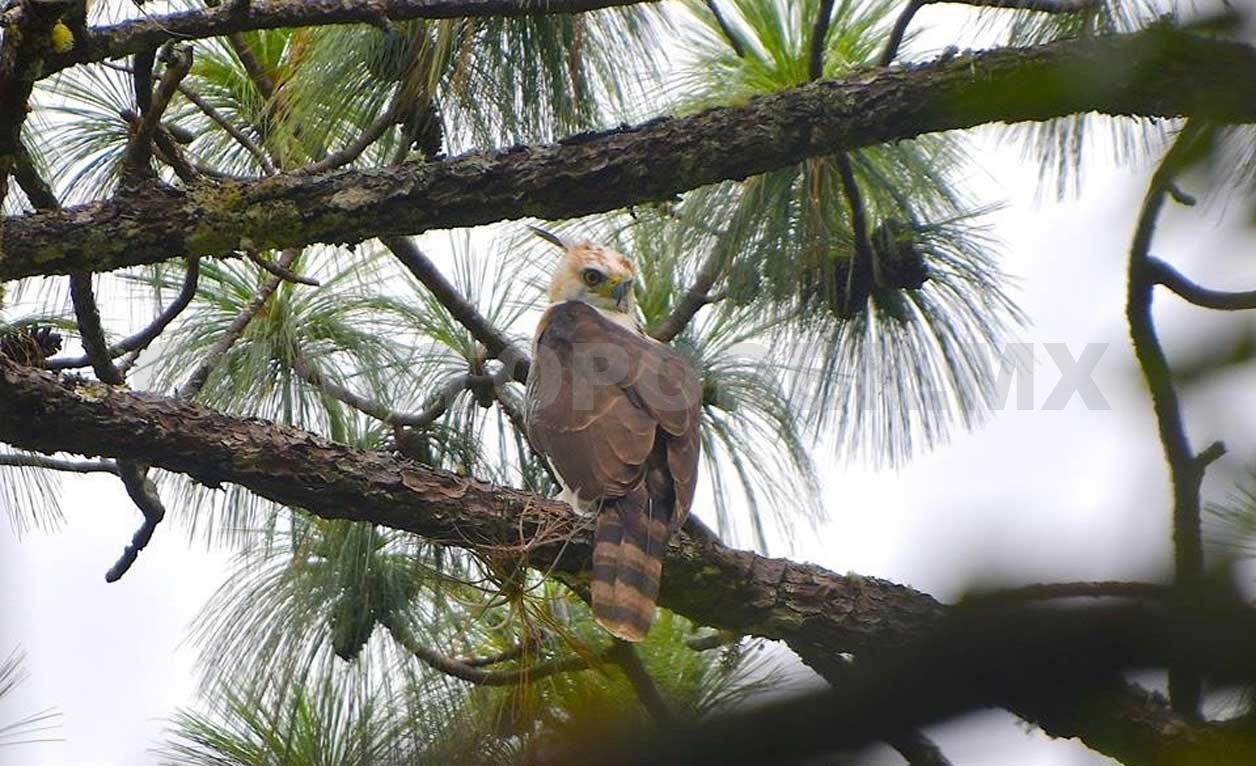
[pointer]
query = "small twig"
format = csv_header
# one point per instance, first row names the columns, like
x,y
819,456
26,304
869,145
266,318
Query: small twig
x,y
1211,454
819,33
1181,197
283,273
624,654
435,407
698,295
733,39
899,31
232,130
168,151
196,381
252,66
499,346
143,493
1164,274
370,135
452,667
31,182
209,111
178,62
57,464
140,340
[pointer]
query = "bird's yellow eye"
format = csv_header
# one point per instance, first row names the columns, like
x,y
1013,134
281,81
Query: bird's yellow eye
x,y
592,277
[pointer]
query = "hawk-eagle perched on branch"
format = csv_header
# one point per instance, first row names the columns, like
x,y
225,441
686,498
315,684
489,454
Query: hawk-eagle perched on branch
x,y
616,414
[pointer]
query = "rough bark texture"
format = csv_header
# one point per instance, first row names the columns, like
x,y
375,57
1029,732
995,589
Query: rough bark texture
x,y
1157,73
818,613
152,31
27,43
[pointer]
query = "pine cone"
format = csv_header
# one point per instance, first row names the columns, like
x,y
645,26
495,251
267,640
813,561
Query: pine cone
x,y
30,346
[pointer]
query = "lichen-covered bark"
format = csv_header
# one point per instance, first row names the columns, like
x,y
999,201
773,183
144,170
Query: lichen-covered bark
x,y
1157,73
27,43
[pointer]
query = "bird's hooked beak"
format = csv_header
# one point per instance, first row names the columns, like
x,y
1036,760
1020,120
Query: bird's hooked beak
x,y
620,290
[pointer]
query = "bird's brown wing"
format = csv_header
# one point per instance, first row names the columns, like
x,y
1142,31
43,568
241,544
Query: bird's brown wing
x,y
601,396
616,414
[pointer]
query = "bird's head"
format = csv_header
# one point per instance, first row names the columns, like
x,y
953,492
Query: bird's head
x,y
592,273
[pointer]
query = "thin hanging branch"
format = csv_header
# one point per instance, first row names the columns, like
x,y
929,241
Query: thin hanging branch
x,y
143,492
698,295
1185,468
196,381
625,655
134,475
899,31
140,340
283,273
436,406
819,36
58,464
451,666
499,346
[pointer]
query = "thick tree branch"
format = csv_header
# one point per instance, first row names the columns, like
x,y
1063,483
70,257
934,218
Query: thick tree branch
x,y
974,659
1154,73
818,613
152,31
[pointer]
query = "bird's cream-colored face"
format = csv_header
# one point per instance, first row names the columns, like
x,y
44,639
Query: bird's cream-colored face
x,y
596,275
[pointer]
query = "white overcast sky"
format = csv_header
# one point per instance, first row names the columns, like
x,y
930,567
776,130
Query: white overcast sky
x,y
1034,495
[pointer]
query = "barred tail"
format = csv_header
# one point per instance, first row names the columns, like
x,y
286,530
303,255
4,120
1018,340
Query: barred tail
x,y
627,564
